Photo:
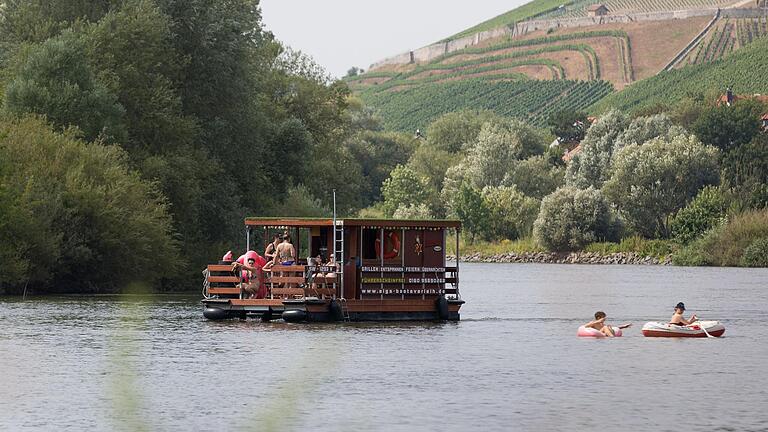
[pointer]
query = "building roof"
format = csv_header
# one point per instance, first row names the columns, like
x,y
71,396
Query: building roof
x,y
285,222
596,7
571,154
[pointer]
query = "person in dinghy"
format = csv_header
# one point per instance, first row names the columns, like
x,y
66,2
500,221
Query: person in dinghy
x,y
599,324
679,319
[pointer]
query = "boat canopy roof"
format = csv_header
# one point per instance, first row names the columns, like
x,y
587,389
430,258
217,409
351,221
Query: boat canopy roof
x,y
278,222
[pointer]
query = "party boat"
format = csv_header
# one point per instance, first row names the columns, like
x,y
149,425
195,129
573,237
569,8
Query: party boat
x,y
382,270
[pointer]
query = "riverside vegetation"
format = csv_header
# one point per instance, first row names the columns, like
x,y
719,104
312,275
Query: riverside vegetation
x,y
136,135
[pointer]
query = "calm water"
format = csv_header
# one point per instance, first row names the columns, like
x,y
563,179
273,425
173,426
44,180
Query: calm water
x,y
512,363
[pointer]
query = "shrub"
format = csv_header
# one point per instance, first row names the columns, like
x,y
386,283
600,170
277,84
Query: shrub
x,y
413,211
511,213
654,180
571,218
705,212
535,177
756,254
738,234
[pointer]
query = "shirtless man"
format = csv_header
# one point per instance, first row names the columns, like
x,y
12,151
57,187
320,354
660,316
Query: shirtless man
x,y
285,253
679,319
599,324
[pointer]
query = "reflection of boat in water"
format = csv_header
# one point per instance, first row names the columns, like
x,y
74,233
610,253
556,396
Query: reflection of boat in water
x,y
387,270
696,329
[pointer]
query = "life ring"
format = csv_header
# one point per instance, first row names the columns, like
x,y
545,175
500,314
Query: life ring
x,y
391,245
595,333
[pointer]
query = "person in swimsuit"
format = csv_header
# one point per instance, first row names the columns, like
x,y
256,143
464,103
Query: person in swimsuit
x,y
599,324
285,253
679,319
271,250
251,283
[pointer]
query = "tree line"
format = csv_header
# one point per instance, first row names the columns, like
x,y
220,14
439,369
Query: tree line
x,y
136,135
691,175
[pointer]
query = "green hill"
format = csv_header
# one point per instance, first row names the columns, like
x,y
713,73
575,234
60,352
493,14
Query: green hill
x,y
744,70
531,100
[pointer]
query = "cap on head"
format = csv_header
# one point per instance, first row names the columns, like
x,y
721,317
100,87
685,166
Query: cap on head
x,y
680,306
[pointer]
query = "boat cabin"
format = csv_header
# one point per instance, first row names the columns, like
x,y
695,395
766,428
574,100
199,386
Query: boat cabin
x,y
344,269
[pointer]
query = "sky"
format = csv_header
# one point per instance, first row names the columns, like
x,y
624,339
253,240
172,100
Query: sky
x,y
340,34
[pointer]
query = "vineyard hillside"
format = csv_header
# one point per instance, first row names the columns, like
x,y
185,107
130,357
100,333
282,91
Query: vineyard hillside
x,y
555,50
744,70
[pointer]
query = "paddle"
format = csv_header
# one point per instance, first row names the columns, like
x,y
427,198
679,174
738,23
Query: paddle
x,y
705,330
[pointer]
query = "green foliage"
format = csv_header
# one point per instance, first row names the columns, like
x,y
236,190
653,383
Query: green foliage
x,y
94,224
299,202
378,153
455,131
746,166
568,125
520,13
706,211
413,211
654,180
592,166
470,207
571,218
743,70
403,188
511,214
498,145
728,245
55,80
729,127
414,108
756,254
644,129
535,176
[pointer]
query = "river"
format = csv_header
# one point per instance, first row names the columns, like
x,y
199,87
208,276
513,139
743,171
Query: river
x,y
512,363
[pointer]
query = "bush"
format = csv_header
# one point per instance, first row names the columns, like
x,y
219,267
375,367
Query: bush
x,y
571,218
728,245
756,254
511,213
635,244
739,234
535,177
705,212
97,225
654,180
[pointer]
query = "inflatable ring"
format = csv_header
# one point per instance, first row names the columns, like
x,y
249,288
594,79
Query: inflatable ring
x,y
391,245
590,332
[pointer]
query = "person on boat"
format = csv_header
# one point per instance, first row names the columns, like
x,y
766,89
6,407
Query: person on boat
x,y
599,324
285,253
271,250
679,319
251,273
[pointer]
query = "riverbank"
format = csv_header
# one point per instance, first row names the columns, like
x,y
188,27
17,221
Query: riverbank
x,y
627,258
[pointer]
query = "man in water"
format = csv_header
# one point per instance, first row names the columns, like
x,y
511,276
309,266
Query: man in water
x,y
599,324
679,319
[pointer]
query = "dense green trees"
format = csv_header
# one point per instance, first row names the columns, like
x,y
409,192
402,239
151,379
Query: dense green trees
x,y
654,180
78,216
220,118
571,218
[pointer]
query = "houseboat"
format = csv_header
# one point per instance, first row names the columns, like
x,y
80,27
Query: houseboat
x,y
346,270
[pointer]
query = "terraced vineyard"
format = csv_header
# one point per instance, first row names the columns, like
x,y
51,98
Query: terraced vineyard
x,y
551,9
744,70
725,37
416,107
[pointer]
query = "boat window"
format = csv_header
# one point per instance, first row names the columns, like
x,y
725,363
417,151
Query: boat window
x,y
369,243
372,247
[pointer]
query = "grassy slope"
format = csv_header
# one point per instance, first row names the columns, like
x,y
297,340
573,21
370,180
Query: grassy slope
x,y
521,13
745,70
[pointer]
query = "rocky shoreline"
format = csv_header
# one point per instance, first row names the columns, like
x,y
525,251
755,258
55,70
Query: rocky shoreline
x,y
629,258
